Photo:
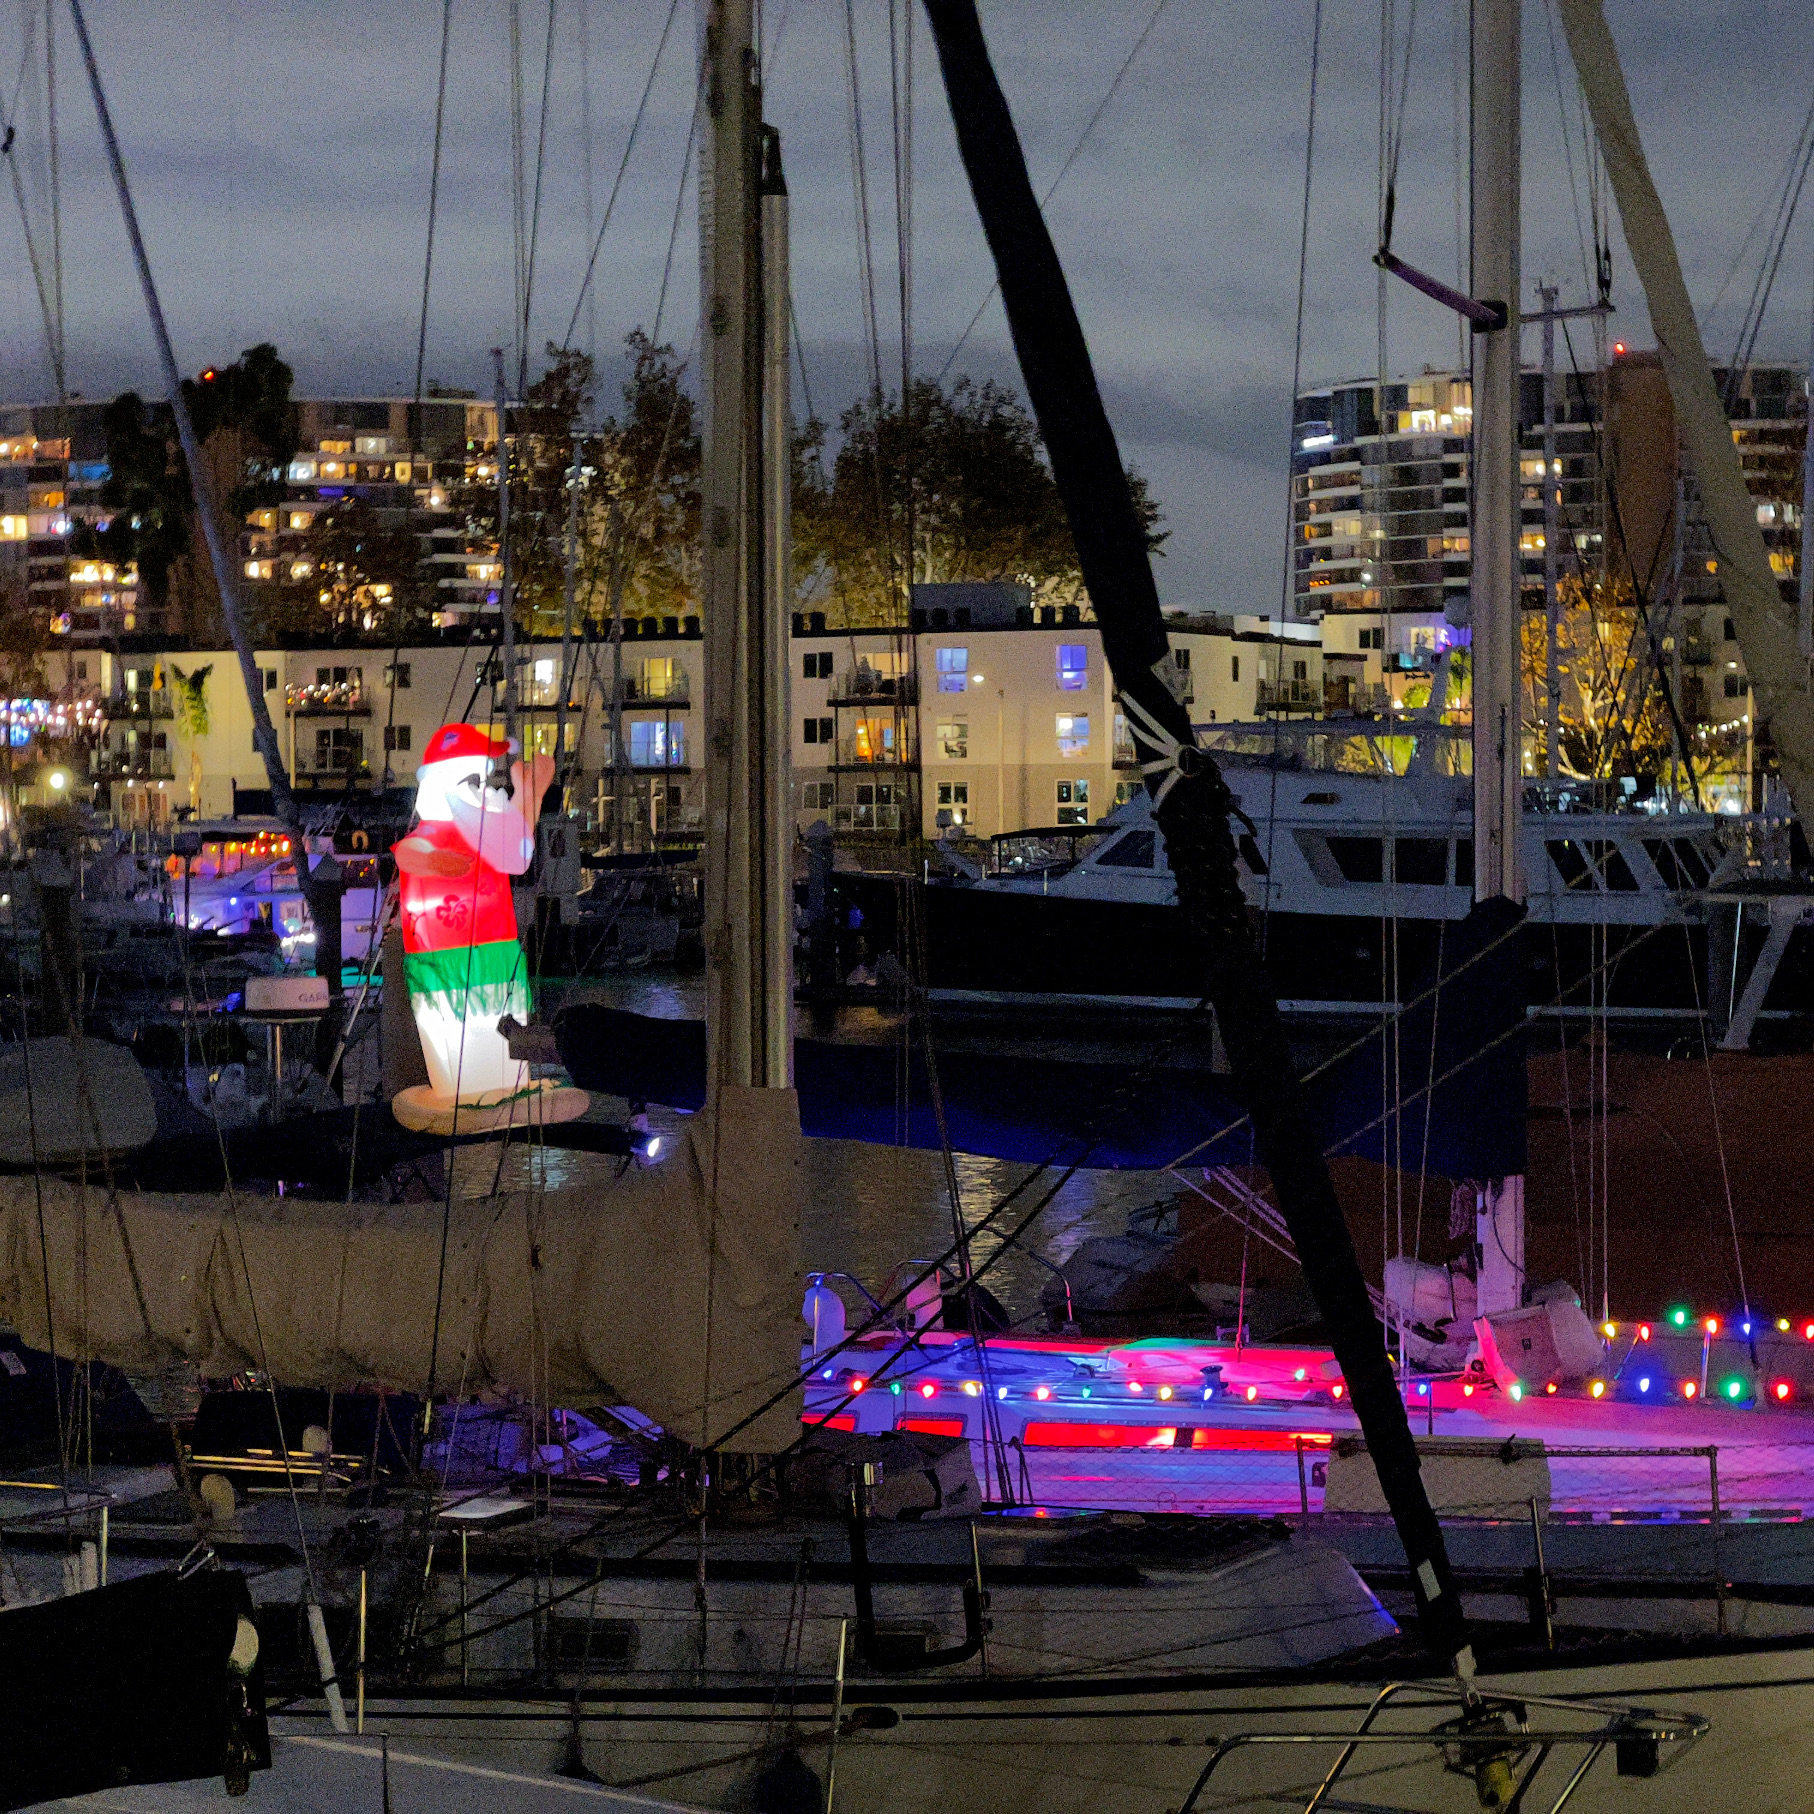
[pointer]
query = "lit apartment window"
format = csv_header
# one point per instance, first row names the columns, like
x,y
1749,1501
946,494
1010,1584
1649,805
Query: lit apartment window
x,y
1073,736
657,743
953,670
953,802
1073,667
1073,802
954,739
661,677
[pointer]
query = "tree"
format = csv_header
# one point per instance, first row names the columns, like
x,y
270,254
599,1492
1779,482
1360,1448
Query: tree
x,y
1614,719
638,516
246,424
967,466
367,574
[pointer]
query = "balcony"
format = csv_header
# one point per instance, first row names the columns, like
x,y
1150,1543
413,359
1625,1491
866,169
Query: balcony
x,y
1696,652
332,765
130,765
331,698
1288,696
866,818
864,686
864,753
144,706
658,692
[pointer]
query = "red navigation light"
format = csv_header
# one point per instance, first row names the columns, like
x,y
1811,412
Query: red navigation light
x,y
1042,1392
1337,1390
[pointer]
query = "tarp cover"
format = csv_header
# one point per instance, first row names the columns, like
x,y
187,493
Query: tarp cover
x,y
675,1289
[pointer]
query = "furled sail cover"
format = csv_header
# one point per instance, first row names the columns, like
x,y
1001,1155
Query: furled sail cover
x,y
659,1291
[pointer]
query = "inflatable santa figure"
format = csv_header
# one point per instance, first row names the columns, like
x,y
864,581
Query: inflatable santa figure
x,y
462,956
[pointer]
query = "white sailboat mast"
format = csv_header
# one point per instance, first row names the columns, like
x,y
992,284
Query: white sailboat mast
x,y
1494,277
1496,190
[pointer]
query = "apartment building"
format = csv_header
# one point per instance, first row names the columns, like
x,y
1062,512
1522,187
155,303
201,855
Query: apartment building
x,y
417,466
53,463
998,714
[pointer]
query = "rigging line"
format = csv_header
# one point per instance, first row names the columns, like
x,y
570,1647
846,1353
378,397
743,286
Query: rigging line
x,y
587,161
1639,587
1083,138
1719,1138
49,308
56,192
535,211
517,193
1766,277
1297,378
1356,1045
434,196
859,176
680,196
1783,178
37,1174
1568,150
623,164
1396,142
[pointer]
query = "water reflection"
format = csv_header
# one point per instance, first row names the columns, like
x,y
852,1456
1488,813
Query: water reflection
x,y
867,1207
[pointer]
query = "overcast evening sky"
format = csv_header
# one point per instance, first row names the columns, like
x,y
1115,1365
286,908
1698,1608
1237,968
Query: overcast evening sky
x,y
280,154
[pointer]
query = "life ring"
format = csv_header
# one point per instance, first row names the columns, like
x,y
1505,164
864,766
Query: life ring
x,y
361,841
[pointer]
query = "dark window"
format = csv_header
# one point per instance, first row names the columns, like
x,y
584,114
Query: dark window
x,y
1300,670
1423,862
1464,862
1234,667
1181,660
396,674
396,736
576,1643
1134,851
1571,864
1731,633
1359,859
1735,686
1250,855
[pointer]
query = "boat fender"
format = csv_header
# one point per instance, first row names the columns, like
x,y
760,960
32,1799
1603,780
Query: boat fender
x,y
823,1314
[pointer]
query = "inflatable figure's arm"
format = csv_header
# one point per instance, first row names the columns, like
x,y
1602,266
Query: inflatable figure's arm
x,y
418,857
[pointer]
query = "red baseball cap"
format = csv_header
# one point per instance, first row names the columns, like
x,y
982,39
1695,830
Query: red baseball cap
x,y
452,741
